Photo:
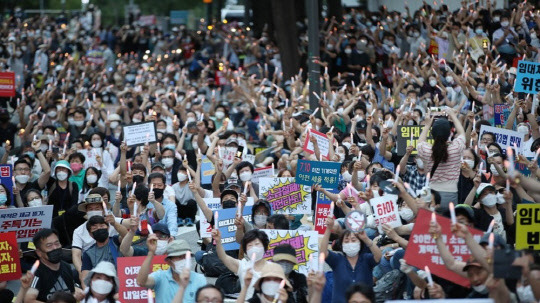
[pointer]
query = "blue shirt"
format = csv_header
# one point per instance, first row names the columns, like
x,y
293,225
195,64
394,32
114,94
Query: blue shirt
x,y
170,217
381,159
166,287
345,275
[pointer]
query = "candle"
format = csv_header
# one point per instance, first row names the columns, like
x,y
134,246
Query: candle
x,y
135,209
129,166
510,154
50,145
331,212
119,185
104,207
433,218
273,172
216,215
34,267
150,230
151,187
315,112
252,260
491,240
133,190
491,225
246,187
321,262
189,175
429,277
188,259
452,212
150,295
427,178
352,141
281,285
396,175
507,184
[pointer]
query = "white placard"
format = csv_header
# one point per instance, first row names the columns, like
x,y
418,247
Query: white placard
x,y
140,133
386,211
25,222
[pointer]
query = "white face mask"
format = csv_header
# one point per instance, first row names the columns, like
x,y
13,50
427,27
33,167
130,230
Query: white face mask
x,y
525,294
432,82
22,178
257,250
493,170
347,144
341,156
78,123
351,249
523,129
220,115
270,288
470,163
489,200
61,176
480,289
505,23
245,176
361,175
449,79
347,177
260,220
114,124
419,163
91,179
35,203
406,214
51,114
375,193
181,177
167,162
161,247
90,214
190,119
179,265
101,287
389,123
500,198
96,143
135,120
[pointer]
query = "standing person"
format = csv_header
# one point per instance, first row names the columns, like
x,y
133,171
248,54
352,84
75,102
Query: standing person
x,y
165,283
442,159
53,275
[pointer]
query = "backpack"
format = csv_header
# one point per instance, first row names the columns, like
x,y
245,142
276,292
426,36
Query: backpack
x,y
211,265
390,286
229,283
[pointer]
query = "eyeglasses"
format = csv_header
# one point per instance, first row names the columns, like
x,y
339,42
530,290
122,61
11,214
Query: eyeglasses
x,y
23,170
94,200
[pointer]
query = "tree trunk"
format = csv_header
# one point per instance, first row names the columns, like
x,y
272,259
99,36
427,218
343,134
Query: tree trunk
x,y
261,17
285,34
335,10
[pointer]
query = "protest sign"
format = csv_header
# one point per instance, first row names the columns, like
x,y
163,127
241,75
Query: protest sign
x,y
249,158
285,196
207,170
262,172
503,137
527,77
305,242
386,211
422,249
140,133
128,269
205,227
527,228
10,268
25,221
90,157
325,174
7,84
228,229
404,138
322,211
227,155
501,112
322,142
6,178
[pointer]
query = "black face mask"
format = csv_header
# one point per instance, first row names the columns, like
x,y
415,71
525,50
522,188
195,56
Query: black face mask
x,y
158,193
55,256
100,235
229,204
138,178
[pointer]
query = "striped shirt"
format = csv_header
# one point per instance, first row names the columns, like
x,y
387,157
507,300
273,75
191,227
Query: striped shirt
x,y
446,176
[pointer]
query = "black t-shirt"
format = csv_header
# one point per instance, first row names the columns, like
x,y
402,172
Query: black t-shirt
x,y
299,284
27,187
62,198
48,281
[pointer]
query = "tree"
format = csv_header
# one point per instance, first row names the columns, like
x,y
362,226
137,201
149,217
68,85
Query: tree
x,y
285,33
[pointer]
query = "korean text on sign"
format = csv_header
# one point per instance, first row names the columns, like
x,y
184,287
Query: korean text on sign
x,y
322,211
527,78
128,269
503,137
304,242
422,249
408,135
325,174
10,265
386,210
26,222
6,173
322,142
285,195
528,226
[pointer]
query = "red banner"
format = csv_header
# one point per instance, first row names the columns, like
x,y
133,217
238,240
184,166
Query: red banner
x,y
7,84
422,249
128,269
10,265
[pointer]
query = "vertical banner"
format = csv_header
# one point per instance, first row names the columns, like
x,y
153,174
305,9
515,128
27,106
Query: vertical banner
x,y
7,84
207,170
228,229
502,111
528,226
6,178
285,196
504,137
306,243
385,210
26,222
128,269
10,264
527,77
422,249
326,174
322,141
406,133
322,211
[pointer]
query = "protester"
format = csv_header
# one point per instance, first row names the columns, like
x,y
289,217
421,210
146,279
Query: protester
x,y
103,283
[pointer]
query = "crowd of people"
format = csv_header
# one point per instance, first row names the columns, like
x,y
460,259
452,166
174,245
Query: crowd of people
x,y
78,83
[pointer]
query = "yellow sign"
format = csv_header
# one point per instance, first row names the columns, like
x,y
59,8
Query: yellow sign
x,y
528,226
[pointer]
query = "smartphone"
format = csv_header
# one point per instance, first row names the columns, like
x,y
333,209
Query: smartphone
x,y
502,264
240,152
55,149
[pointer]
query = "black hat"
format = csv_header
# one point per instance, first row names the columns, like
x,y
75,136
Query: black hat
x,y
465,210
162,228
361,125
285,252
229,192
441,129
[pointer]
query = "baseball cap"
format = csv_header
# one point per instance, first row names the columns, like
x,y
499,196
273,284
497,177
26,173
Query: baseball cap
x,y
177,248
441,128
465,210
482,187
162,228
498,241
229,192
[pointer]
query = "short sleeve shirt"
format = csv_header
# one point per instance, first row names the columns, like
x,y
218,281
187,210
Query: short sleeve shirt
x,y
48,281
166,287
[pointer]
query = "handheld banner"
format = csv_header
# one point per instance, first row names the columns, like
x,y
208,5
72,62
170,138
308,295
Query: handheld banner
x,y
527,77
408,135
306,244
128,269
322,211
7,84
527,226
504,137
140,133
285,196
228,229
326,174
385,210
322,141
26,222
9,254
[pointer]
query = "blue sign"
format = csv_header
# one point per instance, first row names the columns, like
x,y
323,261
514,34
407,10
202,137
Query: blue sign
x,y
323,173
6,178
228,229
179,17
527,78
207,170
323,199
501,114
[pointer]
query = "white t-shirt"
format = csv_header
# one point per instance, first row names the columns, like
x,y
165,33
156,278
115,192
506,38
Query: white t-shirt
x,y
243,266
82,238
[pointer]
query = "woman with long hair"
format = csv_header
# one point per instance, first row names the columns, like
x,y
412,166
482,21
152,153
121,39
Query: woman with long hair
x,y
443,158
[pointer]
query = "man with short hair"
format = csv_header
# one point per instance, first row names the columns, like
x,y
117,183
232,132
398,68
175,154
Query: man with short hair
x,y
157,184
53,275
22,173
